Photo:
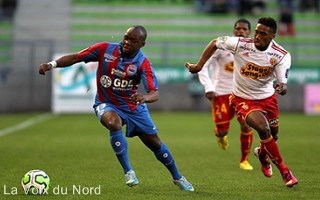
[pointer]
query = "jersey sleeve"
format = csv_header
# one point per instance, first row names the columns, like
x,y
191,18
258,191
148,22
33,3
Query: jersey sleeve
x,y
204,76
227,43
282,69
92,53
148,77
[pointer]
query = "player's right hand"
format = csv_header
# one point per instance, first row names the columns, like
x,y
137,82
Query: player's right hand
x,y
193,68
281,88
44,67
210,95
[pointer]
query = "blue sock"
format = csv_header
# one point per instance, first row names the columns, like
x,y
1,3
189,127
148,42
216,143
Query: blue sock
x,y
164,156
120,147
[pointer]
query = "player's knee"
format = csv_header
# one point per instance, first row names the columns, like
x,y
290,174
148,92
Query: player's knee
x,y
111,121
112,125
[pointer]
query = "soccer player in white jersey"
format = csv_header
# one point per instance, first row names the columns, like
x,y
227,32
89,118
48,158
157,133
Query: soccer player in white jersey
x,y
261,68
216,77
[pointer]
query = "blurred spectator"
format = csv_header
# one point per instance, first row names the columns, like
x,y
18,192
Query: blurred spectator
x,y
7,9
211,6
255,7
307,5
286,18
245,7
258,6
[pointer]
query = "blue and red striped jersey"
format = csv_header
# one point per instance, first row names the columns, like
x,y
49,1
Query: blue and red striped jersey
x,y
118,77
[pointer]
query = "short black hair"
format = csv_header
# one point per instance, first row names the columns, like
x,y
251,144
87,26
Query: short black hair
x,y
242,20
270,22
142,30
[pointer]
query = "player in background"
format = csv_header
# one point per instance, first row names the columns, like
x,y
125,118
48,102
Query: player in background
x,y
216,77
258,62
121,68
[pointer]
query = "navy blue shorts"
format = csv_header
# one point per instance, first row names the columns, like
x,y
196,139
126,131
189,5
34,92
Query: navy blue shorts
x,y
137,122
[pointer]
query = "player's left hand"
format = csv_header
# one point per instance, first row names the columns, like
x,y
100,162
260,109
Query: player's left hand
x,y
280,88
137,98
193,68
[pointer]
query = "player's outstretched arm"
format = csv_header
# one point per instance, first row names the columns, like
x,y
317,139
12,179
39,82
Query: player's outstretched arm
x,y
206,54
63,61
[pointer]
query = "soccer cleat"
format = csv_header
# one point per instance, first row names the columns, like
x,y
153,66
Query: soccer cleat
x,y
131,179
266,167
223,142
183,184
289,179
245,165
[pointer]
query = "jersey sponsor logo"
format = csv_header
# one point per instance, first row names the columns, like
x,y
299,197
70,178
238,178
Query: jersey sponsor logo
x,y
117,83
105,81
244,48
119,73
229,67
122,84
274,54
254,71
109,58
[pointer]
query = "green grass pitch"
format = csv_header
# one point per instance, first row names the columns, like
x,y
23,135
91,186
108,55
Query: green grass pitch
x,y
74,150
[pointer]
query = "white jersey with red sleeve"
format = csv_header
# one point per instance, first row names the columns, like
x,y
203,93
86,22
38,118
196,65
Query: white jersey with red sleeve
x,y
255,70
216,75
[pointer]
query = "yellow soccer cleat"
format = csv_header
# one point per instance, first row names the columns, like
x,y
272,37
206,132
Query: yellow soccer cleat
x,y
245,165
223,142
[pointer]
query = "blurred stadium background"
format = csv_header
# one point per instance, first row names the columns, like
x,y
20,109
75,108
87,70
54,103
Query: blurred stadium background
x,y
33,31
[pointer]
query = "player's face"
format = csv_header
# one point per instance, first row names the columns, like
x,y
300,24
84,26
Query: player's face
x,y
132,41
241,30
262,37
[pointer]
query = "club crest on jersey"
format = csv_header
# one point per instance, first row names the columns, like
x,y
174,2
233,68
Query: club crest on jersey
x,y
273,61
131,70
105,81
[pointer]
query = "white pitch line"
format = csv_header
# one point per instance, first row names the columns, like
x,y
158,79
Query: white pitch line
x,y
23,125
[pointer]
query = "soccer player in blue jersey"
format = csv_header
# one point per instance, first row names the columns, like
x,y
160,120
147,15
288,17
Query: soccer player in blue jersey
x,y
122,66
